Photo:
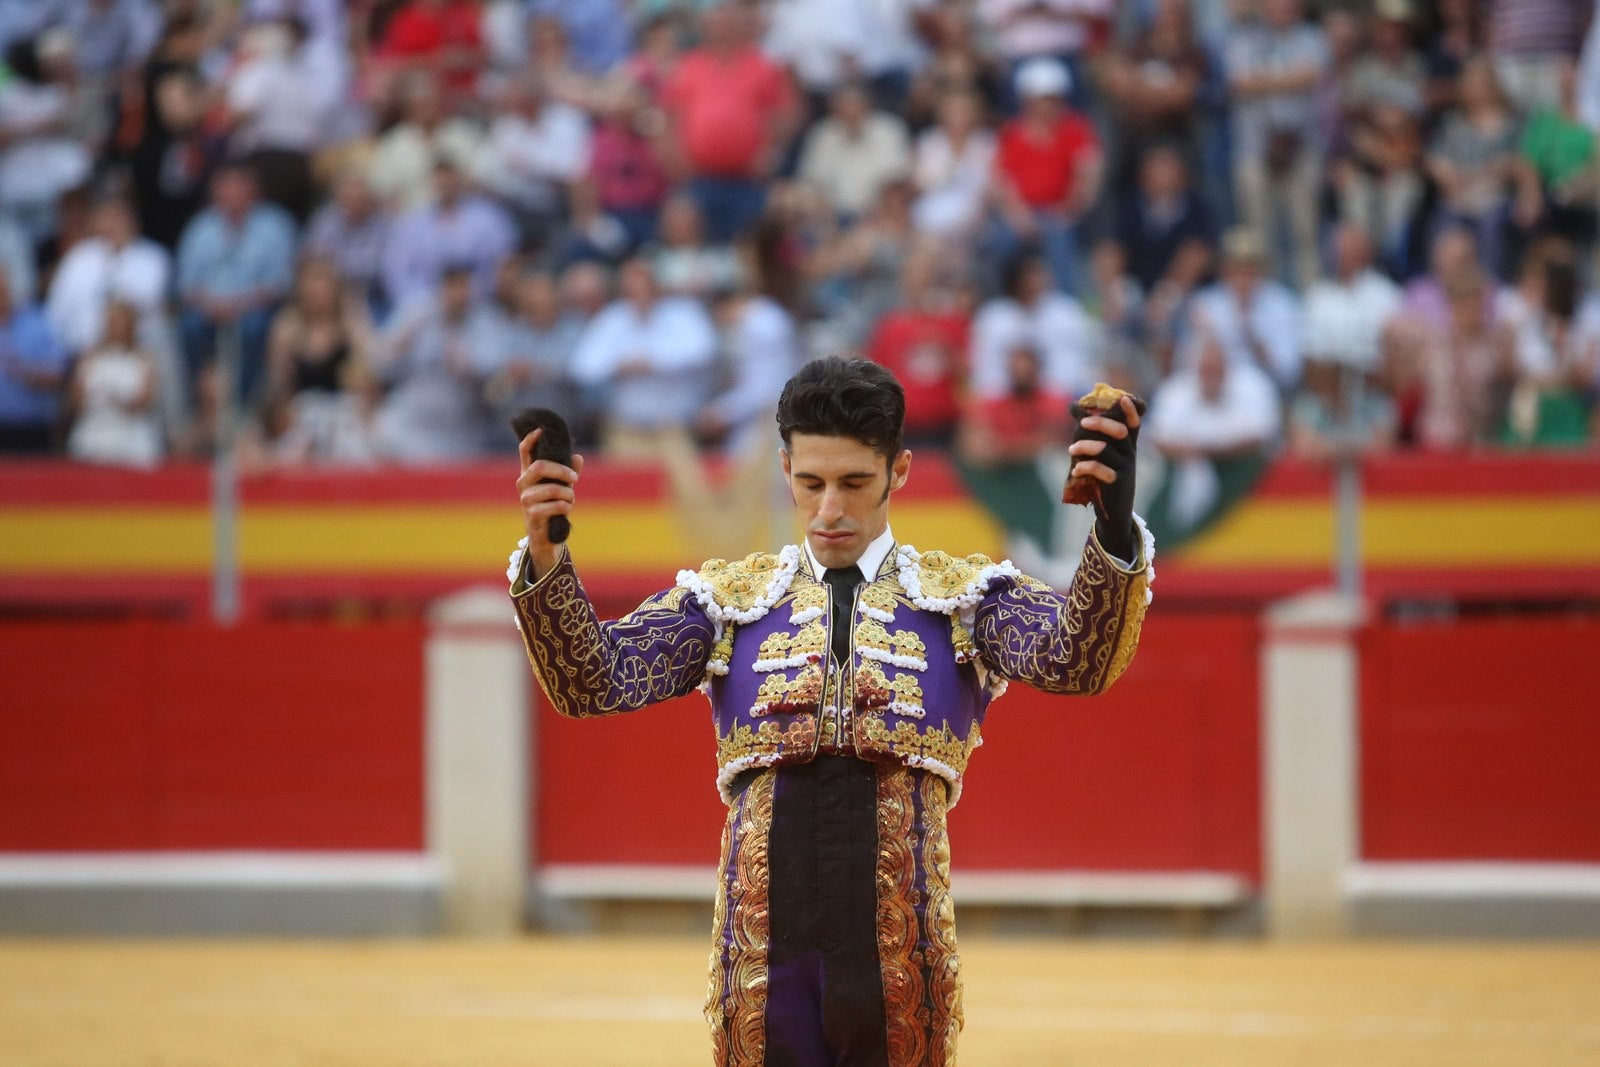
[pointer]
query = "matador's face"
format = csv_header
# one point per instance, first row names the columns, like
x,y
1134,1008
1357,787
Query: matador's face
x,y
841,488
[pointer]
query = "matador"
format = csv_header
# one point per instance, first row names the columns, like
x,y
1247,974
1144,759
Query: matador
x,y
848,678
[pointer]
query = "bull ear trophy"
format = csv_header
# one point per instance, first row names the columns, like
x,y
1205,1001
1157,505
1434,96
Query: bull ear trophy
x,y
555,443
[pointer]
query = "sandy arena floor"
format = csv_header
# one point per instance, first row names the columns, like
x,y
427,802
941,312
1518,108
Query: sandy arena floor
x,y
636,1001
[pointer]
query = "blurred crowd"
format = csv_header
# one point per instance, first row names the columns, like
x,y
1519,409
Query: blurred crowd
x,y
373,230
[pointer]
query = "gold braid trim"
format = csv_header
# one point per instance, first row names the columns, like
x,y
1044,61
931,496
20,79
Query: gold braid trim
x,y
747,954
942,964
715,1010
905,1013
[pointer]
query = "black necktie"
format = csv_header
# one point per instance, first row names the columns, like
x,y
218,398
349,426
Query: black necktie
x,y
843,581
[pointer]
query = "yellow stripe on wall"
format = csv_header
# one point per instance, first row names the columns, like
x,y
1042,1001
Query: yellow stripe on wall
x,y
419,539
1508,531
395,539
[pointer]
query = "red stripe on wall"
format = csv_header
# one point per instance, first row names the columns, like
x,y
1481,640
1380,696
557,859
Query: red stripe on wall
x,y
1480,740
150,736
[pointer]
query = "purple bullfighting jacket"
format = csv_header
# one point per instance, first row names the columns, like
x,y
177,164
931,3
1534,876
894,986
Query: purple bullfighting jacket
x,y
935,638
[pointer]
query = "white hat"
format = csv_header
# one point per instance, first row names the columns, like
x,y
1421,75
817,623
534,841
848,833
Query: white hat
x,y
1043,76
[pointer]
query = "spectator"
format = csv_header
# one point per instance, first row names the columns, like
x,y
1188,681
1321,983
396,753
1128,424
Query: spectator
x,y
534,367
684,264
851,154
1274,69
591,232
17,261
1461,35
440,38
1389,71
434,358
1255,320
951,168
405,157
1131,350
110,37
830,43
1474,161
1339,413
1047,171
1061,30
649,357
760,351
1030,313
456,227
326,21
650,68
924,342
858,268
283,99
1214,420
1381,187
1444,371
1151,82
1560,150
1550,370
1013,427
352,230
172,157
114,264
319,346
39,157
33,369
599,31
585,291
536,149
114,394
732,114
235,263
1346,314
1528,40
564,79
1452,260
1164,228
626,165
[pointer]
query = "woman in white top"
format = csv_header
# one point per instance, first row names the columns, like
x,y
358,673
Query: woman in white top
x,y
951,168
114,392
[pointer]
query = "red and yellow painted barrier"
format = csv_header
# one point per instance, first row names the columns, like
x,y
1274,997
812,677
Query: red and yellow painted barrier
x,y
1513,525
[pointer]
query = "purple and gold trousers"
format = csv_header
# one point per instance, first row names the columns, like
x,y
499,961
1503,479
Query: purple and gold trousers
x,y
834,932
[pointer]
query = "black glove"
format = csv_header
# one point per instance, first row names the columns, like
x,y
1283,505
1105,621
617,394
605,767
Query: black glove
x,y
1114,502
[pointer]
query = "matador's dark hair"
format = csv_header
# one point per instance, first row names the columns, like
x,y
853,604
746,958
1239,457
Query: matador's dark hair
x,y
836,396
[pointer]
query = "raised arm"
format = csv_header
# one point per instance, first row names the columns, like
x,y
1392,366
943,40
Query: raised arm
x,y
588,667
1075,642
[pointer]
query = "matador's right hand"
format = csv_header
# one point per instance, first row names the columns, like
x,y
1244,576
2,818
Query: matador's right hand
x,y
545,488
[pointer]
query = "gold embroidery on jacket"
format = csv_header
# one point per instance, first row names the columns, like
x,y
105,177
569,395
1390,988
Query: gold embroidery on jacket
x,y
943,964
905,1011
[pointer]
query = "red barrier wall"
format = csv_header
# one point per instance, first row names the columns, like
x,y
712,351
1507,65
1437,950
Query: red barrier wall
x,y
1158,774
1480,740
149,736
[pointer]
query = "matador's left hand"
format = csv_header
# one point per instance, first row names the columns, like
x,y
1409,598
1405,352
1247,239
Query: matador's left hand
x,y
1104,448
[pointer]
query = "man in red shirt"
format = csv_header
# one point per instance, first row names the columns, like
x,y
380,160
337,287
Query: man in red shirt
x,y
732,112
923,342
441,37
1047,172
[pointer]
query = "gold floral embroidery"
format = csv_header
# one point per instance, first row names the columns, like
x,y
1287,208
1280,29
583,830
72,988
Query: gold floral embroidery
x,y
870,634
774,647
747,953
907,739
739,584
905,1012
942,964
944,576
780,694
769,739
880,596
